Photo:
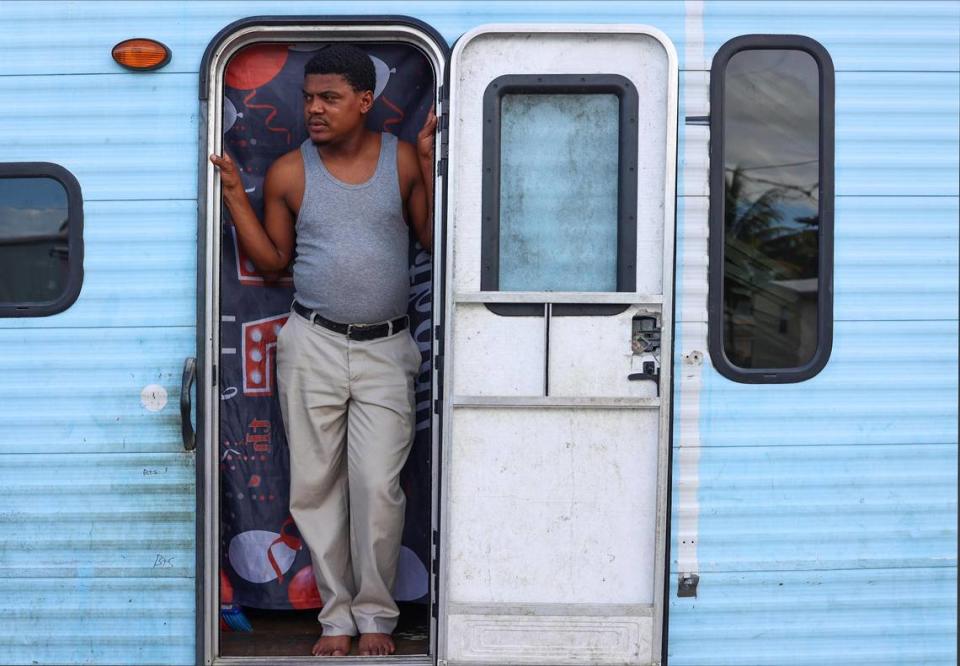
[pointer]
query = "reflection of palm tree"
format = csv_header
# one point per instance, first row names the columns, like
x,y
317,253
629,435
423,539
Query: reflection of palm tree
x,y
790,247
746,219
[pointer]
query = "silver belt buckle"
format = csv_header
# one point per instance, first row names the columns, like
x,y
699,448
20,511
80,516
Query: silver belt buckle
x,y
355,327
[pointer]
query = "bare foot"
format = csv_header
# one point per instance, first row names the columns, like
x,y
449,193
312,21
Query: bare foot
x,y
375,645
332,646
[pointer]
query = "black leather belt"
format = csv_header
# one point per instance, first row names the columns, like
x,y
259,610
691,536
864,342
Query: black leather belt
x,y
354,331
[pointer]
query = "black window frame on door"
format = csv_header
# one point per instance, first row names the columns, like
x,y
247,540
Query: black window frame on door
x,y
560,84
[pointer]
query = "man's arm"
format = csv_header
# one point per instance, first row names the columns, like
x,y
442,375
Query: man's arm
x,y
419,163
270,245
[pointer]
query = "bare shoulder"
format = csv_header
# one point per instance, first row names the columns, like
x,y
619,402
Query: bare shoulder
x,y
287,163
287,170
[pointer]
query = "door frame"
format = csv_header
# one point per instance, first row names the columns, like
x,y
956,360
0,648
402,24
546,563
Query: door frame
x,y
222,47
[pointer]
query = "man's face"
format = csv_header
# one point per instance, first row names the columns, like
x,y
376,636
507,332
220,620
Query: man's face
x,y
332,108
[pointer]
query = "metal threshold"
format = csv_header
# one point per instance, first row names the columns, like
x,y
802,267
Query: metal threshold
x,y
394,660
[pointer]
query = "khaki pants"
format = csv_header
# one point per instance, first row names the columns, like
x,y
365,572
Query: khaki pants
x,y
348,412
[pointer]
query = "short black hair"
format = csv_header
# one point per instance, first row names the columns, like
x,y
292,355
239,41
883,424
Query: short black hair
x,y
348,61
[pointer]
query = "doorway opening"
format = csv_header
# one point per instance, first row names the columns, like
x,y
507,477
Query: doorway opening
x,y
261,598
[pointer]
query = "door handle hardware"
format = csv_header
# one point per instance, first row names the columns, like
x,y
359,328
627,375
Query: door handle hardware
x,y
650,373
645,338
186,404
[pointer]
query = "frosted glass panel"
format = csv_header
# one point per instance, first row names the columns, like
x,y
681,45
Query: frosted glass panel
x,y
558,192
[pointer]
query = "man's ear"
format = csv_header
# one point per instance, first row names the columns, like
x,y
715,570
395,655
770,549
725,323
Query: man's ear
x,y
366,101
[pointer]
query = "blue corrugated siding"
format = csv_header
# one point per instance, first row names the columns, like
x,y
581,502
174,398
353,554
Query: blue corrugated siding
x,y
77,390
893,133
896,258
827,510
909,35
97,516
88,620
86,31
796,618
827,507
857,37
97,542
859,398
124,136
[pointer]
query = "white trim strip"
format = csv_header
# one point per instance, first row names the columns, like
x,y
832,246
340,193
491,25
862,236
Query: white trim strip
x,y
693,334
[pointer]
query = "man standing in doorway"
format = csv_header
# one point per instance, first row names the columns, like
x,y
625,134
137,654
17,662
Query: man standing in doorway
x,y
345,359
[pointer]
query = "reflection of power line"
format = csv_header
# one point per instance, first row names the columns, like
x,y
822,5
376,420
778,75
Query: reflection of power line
x,y
33,238
774,166
807,190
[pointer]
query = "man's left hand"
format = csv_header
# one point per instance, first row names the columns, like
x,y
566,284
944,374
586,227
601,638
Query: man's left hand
x,y
426,139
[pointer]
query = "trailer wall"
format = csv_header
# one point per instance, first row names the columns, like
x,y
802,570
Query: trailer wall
x,y
820,517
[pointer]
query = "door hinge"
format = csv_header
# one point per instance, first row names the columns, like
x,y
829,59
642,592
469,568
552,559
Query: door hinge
x,y
435,572
687,585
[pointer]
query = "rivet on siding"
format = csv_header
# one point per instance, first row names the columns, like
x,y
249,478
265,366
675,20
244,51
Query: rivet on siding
x,y
693,358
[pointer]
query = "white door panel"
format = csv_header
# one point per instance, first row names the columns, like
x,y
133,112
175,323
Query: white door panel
x,y
556,407
497,356
600,367
528,518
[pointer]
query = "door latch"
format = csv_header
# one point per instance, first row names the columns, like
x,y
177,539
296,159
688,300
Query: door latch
x,y
645,343
650,372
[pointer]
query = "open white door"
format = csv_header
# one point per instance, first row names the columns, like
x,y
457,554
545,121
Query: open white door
x,y
559,305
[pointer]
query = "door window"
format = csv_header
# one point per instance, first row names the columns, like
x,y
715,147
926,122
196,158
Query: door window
x,y
559,185
558,192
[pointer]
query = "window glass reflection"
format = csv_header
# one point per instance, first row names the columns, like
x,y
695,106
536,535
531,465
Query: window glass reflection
x,y
559,187
34,247
771,137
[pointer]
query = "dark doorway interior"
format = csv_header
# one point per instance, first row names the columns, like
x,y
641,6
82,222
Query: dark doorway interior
x,y
292,633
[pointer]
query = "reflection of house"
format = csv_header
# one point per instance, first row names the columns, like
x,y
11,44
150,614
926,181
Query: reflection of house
x,y
771,322
28,257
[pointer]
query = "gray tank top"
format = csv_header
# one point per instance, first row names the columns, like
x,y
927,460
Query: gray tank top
x,y
352,242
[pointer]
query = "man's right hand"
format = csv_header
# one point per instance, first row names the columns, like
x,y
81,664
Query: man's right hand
x,y
229,173
269,245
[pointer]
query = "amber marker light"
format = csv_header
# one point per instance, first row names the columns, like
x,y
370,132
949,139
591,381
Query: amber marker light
x,y
141,55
